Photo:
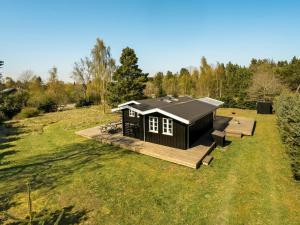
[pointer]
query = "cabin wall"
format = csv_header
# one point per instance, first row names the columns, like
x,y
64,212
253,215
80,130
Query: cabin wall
x,y
132,126
183,135
177,140
200,127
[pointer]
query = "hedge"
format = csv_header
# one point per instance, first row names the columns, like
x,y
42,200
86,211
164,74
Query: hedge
x,y
287,108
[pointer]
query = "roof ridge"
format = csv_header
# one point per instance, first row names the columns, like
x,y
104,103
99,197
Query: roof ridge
x,y
178,103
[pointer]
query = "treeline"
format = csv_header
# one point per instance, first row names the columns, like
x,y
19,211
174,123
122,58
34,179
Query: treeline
x,y
97,80
29,95
34,94
238,86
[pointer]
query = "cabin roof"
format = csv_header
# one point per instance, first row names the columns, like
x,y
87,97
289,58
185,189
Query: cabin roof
x,y
185,109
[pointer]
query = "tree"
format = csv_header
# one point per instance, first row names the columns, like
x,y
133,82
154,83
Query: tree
x,y
289,73
158,84
206,73
26,76
9,82
55,89
1,65
82,73
170,84
194,81
184,81
128,81
235,85
264,85
102,67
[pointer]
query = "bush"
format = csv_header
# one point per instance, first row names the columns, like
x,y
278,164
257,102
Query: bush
x,y
28,112
287,107
2,117
241,104
11,104
47,106
83,102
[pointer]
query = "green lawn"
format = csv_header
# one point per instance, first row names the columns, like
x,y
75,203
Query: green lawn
x,y
249,183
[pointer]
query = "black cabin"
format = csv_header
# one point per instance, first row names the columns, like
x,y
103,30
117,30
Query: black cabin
x,y
174,122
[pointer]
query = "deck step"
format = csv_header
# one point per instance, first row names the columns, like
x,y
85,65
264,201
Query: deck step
x,y
206,161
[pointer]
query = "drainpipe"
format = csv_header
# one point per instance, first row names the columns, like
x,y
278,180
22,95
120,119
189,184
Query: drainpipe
x,y
188,136
144,126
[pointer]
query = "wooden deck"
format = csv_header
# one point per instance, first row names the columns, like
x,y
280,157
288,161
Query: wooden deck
x,y
191,157
235,126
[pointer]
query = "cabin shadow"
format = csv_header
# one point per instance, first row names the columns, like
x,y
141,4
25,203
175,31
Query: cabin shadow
x,y
221,122
50,170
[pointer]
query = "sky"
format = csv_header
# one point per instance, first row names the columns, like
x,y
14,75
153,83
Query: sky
x,y
166,35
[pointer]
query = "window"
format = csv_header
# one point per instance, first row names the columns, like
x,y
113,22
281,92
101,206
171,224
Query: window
x,y
131,113
137,115
167,126
153,124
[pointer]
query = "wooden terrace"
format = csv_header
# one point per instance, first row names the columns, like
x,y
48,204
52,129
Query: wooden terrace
x,y
191,157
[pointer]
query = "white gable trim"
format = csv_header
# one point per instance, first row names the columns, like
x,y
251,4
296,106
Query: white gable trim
x,y
121,106
128,103
158,111
211,101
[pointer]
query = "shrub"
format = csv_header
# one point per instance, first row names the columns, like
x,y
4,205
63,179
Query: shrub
x,y
83,102
11,104
47,106
287,107
2,117
28,112
238,103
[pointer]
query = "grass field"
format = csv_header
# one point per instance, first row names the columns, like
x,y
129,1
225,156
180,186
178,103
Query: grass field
x,y
248,183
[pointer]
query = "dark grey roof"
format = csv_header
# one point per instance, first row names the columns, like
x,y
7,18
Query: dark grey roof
x,y
185,107
8,90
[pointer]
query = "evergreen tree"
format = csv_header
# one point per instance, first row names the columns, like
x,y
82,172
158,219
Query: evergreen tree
x,y
1,64
289,73
128,81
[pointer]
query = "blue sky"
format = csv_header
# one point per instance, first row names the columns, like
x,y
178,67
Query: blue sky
x,y
166,35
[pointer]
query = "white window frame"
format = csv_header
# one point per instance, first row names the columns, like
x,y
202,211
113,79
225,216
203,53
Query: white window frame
x,y
167,127
131,113
153,124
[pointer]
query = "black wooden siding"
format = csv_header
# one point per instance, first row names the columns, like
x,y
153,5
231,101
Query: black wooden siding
x,y
177,140
200,127
133,127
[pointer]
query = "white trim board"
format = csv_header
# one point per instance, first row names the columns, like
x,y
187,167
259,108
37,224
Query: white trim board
x,y
127,103
157,110
211,101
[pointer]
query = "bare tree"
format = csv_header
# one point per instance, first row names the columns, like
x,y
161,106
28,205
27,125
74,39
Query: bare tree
x,y
82,73
265,85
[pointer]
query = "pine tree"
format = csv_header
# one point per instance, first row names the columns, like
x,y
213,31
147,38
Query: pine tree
x,y
128,81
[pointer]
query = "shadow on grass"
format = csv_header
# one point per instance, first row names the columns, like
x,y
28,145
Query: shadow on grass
x,y
50,170
70,216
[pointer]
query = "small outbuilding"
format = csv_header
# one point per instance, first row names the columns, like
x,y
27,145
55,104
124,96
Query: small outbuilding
x,y
175,122
264,107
